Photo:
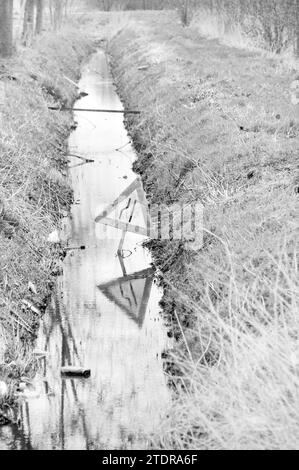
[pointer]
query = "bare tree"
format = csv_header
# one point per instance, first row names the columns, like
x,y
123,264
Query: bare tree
x,y
6,27
28,25
185,12
39,16
297,28
56,8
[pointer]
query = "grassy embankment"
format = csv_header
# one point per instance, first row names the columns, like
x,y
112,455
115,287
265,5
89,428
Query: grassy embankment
x,y
218,126
34,192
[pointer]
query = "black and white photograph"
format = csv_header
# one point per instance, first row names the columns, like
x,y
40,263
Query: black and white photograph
x,y
149,229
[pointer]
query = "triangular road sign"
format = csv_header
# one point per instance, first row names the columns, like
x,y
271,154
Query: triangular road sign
x,y
137,187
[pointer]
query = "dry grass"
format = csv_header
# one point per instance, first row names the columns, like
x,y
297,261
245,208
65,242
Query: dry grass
x,y
249,34
218,126
237,387
33,193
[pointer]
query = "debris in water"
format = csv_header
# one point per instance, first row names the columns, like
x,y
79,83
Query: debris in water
x,y
53,237
125,253
70,81
32,288
82,94
26,393
70,248
3,389
22,387
91,110
74,126
86,160
123,146
40,353
72,371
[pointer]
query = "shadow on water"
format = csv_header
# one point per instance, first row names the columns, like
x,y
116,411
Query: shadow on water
x,y
104,314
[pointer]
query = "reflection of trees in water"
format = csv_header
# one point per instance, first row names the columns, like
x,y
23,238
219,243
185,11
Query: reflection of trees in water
x,y
70,408
68,339
26,435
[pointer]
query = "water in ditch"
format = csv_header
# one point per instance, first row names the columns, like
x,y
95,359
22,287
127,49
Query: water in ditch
x,y
104,314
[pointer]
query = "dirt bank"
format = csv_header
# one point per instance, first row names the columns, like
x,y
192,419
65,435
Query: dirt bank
x,y
34,191
218,126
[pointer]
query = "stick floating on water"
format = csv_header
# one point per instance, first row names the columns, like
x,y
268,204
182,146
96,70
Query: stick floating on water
x,y
121,111
71,371
86,160
70,81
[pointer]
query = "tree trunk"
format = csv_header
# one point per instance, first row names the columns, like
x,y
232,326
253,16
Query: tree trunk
x,y
58,14
28,22
6,27
185,13
39,16
297,28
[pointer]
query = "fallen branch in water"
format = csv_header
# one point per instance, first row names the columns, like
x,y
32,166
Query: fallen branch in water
x,y
71,81
72,371
70,248
55,108
87,160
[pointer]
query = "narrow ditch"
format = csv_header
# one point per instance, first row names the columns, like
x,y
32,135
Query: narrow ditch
x,y
104,315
